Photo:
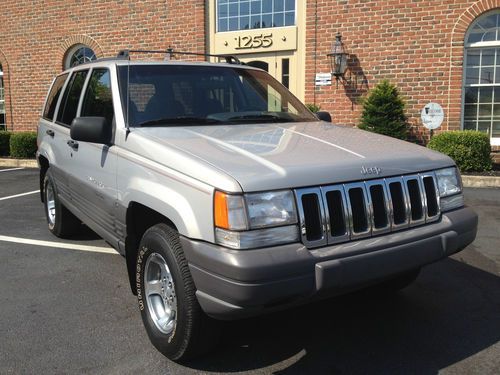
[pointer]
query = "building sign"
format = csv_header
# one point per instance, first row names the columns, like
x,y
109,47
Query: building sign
x,y
432,116
257,40
323,79
254,41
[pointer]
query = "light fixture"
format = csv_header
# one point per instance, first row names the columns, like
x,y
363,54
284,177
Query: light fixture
x,y
338,58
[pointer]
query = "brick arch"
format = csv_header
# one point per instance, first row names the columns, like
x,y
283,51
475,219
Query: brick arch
x,y
78,39
7,90
457,57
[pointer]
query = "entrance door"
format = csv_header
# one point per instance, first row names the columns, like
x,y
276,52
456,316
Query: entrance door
x,y
281,65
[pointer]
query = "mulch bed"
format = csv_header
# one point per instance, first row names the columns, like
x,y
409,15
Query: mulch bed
x,y
495,171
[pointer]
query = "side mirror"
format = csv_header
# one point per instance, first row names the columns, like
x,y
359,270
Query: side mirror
x,y
324,116
91,129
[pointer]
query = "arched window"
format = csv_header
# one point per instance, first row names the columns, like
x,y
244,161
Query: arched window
x,y
2,102
78,54
481,107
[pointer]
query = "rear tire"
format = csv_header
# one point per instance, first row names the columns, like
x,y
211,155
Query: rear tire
x,y
174,321
62,223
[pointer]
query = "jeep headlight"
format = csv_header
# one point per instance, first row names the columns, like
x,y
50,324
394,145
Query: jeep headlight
x,y
255,220
450,188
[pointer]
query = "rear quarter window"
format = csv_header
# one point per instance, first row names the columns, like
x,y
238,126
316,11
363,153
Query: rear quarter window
x,y
53,97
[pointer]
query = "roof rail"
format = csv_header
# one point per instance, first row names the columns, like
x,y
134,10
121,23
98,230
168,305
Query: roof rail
x,y
169,54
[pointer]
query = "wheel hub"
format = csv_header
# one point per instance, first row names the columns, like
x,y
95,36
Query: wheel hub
x,y
160,293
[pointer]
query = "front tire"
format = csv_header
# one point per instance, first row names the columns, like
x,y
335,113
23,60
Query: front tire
x,y
62,223
173,319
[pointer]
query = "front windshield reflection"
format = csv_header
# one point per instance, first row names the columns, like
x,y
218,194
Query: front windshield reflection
x,y
170,95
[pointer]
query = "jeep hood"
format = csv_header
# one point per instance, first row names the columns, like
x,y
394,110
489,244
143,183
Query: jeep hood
x,y
276,156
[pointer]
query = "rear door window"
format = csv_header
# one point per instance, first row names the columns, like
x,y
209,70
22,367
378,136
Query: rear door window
x,y
98,100
53,97
71,96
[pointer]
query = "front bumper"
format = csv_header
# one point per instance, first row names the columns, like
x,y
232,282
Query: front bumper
x,y
234,284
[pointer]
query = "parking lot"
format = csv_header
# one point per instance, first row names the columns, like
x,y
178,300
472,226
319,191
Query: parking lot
x,y
66,307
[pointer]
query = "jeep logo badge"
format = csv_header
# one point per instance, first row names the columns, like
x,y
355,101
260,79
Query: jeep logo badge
x,y
371,170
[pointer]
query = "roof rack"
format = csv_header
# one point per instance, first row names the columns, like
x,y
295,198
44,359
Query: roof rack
x,y
169,54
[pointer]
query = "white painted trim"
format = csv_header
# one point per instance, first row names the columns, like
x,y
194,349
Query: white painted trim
x,y
59,245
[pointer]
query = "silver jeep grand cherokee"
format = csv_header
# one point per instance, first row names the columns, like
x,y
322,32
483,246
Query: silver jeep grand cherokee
x,y
228,198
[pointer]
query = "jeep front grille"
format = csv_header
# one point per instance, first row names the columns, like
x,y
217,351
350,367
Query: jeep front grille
x,y
338,213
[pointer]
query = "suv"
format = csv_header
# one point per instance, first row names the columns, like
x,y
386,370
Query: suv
x,y
228,198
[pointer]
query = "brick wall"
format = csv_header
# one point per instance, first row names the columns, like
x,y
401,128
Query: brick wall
x,y
37,34
416,44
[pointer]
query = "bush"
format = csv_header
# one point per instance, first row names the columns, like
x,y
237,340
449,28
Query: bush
x,y
4,143
23,145
313,107
469,149
383,112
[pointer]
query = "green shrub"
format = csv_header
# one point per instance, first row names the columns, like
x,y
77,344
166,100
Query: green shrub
x,y
384,112
23,145
469,149
4,143
313,107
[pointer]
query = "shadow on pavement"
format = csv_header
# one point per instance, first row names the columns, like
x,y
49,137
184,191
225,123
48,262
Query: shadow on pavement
x,y
450,313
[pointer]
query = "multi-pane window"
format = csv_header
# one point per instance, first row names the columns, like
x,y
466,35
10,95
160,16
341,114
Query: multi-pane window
x,y
235,15
78,54
481,109
2,102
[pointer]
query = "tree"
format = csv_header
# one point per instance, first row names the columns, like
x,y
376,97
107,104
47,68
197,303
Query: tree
x,y
383,112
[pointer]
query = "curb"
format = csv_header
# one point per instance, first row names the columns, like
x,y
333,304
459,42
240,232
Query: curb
x,y
18,163
481,181
467,181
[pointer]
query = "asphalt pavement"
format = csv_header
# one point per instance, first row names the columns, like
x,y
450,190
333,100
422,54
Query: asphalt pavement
x,y
69,309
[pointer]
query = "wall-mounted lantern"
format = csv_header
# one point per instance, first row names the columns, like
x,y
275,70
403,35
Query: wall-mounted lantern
x,y
338,58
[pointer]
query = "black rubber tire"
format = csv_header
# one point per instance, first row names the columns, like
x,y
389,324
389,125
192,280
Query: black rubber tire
x,y
66,224
195,333
400,281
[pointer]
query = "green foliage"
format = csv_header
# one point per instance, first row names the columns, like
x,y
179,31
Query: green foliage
x,y
4,143
383,112
23,145
469,149
313,107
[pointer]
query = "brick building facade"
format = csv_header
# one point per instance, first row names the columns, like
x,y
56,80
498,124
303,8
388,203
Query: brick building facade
x,y
419,45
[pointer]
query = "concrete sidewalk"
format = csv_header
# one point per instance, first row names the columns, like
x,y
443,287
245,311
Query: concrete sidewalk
x,y
468,181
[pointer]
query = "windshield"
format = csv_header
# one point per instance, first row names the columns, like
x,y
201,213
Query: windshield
x,y
169,95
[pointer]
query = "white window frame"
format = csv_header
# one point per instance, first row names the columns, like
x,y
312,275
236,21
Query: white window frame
x,y
495,141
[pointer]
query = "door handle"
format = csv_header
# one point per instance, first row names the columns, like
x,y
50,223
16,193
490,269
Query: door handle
x,y
73,144
50,132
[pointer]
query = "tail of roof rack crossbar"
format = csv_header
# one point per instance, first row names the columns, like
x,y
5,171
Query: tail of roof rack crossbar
x,y
169,53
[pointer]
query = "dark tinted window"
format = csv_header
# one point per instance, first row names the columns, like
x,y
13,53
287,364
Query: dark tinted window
x,y
98,100
53,96
214,94
71,96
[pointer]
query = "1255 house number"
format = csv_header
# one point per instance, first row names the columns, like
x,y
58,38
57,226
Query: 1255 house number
x,y
257,41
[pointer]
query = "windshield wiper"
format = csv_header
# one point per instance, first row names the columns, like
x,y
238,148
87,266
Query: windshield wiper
x,y
263,117
180,120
